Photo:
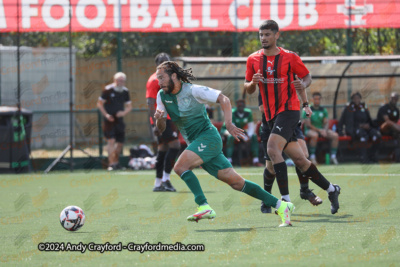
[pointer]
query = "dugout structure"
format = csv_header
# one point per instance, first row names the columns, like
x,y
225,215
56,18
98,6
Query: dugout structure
x,y
336,78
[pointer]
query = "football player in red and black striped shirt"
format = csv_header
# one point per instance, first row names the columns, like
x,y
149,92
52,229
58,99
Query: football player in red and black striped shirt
x,y
281,75
168,142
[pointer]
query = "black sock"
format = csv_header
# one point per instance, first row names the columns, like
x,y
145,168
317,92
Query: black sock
x,y
302,179
269,179
170,159
282,178
316,177
160,163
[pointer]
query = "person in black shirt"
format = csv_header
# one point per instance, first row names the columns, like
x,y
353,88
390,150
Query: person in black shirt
x,y
388,115
114,103
358,124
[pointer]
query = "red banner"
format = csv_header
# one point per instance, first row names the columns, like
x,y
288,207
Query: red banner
x,y
196,15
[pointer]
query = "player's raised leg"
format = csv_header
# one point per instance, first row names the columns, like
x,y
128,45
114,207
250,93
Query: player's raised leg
x,y
232,178
305,192
187,161
310,171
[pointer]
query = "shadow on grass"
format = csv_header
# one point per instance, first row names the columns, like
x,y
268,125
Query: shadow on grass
x,y
325,218
323,215
233,230
187,192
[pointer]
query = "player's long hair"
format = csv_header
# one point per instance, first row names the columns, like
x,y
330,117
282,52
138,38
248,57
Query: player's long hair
x,y
170,67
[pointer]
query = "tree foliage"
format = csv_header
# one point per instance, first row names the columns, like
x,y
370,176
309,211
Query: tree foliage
x,y
305,43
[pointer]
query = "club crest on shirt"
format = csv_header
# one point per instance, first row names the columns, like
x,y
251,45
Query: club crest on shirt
x,y
270,71
184,102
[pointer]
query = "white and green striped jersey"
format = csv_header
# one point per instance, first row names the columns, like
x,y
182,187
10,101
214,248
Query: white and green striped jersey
x,y
187,108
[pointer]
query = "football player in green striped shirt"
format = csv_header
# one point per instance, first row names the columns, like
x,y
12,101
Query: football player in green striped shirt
x,y
185,104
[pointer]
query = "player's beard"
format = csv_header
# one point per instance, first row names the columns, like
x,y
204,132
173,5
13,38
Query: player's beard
x,y
267,46
119,89
170,87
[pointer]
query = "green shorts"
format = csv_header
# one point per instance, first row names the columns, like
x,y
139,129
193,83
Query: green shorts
x,y
208,146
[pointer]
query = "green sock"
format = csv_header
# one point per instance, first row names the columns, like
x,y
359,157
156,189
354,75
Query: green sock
x,y
312,150
256,191
333,151
194,186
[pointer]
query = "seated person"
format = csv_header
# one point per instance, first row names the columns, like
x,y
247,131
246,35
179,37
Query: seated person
x,y
358,124
242,117
387,118
318,126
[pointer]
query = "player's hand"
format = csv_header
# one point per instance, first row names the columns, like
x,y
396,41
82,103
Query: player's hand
x,y
109,117
323,133
159,114
298,83
257,77
308,111
120,114
235,132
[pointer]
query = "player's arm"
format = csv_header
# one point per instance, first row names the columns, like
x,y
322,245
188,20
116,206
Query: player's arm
x,y
251,86
100,106
127,109
151,103
161,121
300,85
227,109
388,121
252,77
160,115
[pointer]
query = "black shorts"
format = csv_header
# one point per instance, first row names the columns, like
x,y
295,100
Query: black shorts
x,y
114,130
284,124
170,133
266,131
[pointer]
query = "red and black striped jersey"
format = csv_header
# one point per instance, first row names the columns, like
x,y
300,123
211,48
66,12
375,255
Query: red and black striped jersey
x,y
277,92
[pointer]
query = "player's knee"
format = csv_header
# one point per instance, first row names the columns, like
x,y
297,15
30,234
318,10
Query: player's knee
x,y
314,136
236,184
270,169
178,169
273,152
299,160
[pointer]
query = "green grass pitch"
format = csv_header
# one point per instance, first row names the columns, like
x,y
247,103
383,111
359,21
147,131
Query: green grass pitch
x,y
121,207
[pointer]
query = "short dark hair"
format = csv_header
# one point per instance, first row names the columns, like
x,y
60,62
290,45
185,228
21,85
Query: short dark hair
x,y
316,94
269,25
162,57
240,101
355,94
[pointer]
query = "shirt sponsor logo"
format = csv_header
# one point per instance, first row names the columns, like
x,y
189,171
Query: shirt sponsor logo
x,y
167,101
274,80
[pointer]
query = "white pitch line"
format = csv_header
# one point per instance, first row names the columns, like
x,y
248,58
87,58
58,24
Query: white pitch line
x,y
145,173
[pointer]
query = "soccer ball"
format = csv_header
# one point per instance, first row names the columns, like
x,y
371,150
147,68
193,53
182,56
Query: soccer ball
x,y
135,164
149,163
72,218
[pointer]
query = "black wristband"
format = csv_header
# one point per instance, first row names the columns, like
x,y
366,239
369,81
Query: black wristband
x,y
305,104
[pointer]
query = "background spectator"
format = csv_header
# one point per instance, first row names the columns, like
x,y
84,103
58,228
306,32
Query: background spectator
x,y
387,118
114,103
242,117
358,124
318,126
